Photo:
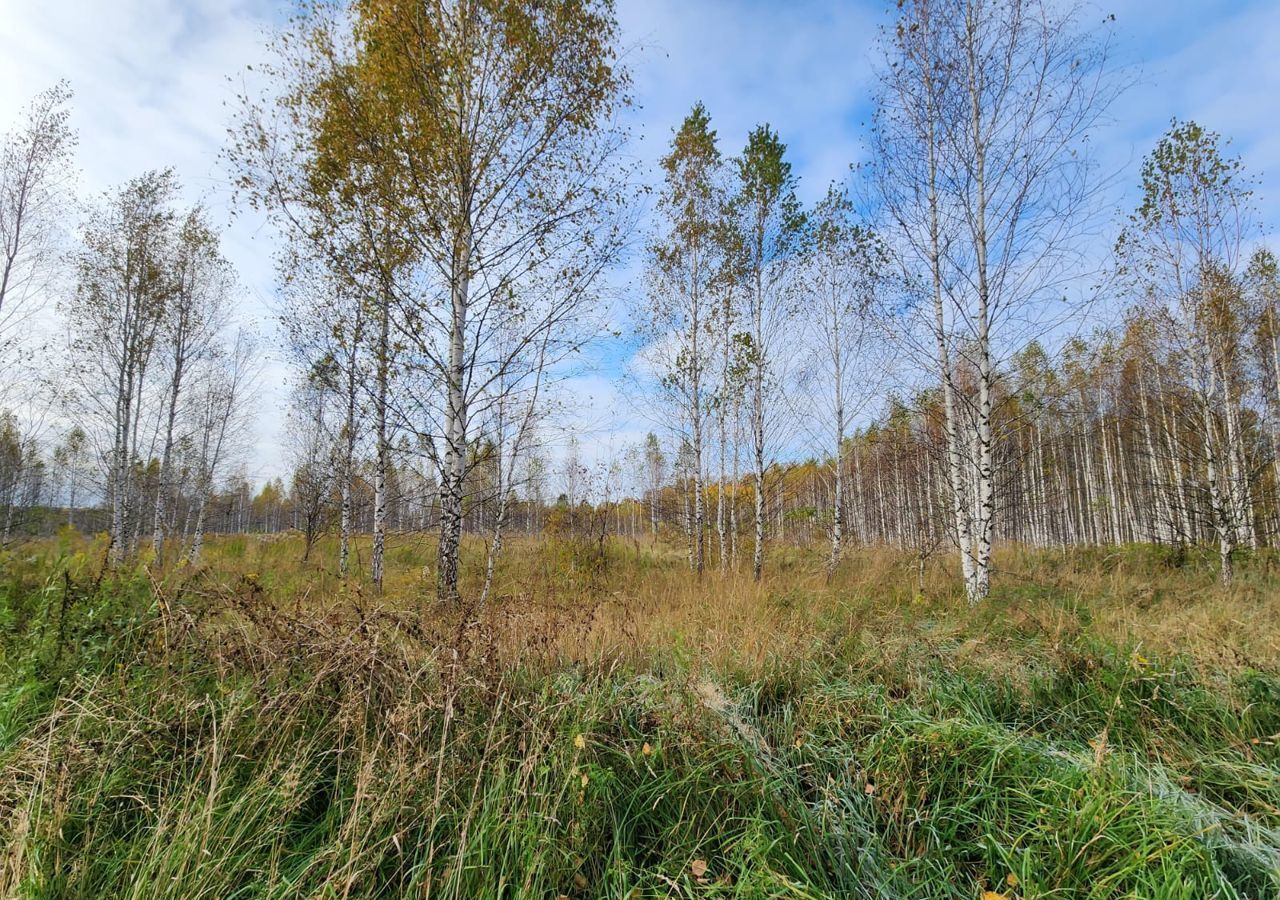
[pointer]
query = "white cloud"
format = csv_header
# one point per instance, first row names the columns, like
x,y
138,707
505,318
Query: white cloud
x,y
152,82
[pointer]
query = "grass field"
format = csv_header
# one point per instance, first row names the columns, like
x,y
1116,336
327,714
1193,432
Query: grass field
x,y
1105,726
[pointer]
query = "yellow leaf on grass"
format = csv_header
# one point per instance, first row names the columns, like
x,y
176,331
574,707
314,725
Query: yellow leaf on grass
x,y
698,867
1011,880
646,749
993,895
580,742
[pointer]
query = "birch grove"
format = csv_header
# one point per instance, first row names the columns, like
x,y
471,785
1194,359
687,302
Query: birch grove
x,y
465,152
982,177
146,323
946,350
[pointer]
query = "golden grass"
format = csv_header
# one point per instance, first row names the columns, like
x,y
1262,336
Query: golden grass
x,y
609,719
637,603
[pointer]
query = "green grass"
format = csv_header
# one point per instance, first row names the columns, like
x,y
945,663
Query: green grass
x,y
272,732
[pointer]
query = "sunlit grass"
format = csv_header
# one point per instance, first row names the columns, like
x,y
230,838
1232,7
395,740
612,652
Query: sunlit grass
x,y
610,726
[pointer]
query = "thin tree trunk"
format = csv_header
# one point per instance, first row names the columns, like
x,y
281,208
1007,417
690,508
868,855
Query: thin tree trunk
x,y
381,450
451,481
164,488
757,418
348,464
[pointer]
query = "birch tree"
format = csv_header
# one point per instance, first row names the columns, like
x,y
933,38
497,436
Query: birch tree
x,y
124,285
683,260
310,157
485,133
326,320
195,312
71,459
1263,282
35,171
311,449
1183,252
770,220
221,419
981,172
510,419
843,263
21,474
655,469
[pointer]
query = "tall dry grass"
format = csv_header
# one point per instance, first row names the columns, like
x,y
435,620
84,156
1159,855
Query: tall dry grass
x,y
610,726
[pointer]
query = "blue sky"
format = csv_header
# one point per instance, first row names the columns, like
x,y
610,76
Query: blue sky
x,y
153,77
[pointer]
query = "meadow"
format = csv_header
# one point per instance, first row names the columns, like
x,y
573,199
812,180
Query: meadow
x,y
1105,725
